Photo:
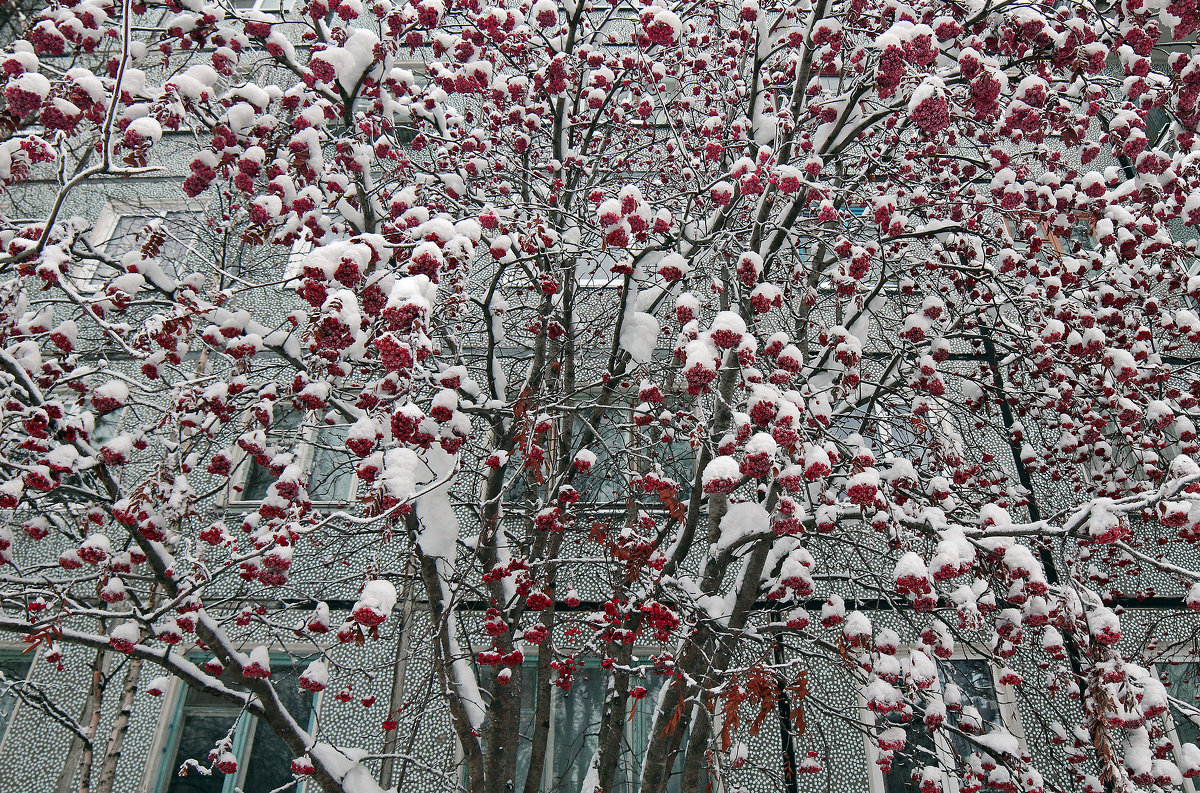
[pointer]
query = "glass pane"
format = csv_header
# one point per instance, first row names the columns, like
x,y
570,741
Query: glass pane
x,y
198,733
281,436
605,481
269,764
1183,683
258,479
12,670
643,726
974,679
207,719
124,237
528,713
331,474
576,724
106,427
907,764
680,463
181,229
1156,119
297,701
195,699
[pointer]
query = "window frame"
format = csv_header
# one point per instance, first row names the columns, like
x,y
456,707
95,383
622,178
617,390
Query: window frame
x,y
168,731
10,652
1006,704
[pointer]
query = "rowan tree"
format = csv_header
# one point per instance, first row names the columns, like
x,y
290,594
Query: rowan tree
x,y
763,336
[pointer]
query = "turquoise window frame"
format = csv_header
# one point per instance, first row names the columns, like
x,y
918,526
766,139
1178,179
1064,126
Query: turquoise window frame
x,y
243,733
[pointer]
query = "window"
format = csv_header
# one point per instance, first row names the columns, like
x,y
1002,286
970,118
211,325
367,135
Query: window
x,y
621,452
170,235
601,268
319,449
605,481
1072,236
1182,681
14,669
679,463
266,6
304,245
974,704
202,720
104,429
574,731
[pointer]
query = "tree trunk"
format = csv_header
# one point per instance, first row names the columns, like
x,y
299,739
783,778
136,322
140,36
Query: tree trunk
x,y
387,770
120,726
79,756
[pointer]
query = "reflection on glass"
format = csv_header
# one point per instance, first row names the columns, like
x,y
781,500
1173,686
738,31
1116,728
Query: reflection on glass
x,y
1183,682
976,694
331,473
919,751
575,727
198,733
270,762
179,229
281,434
974,680
12,669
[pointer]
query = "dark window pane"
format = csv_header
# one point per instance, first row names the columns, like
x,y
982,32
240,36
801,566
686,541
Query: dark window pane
x,y
258,479
1156,120
908,763
269,764
974,679
605,483
680,465
528,714
576,727
13,669
198,734
643,726
264,761
295,700
575,733
282,435
330,474
1183,683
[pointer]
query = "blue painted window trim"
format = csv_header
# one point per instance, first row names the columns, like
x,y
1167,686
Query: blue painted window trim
x,y
168,753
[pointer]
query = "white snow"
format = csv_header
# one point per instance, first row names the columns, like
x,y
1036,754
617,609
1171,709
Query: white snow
x,y
639,335
741,520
